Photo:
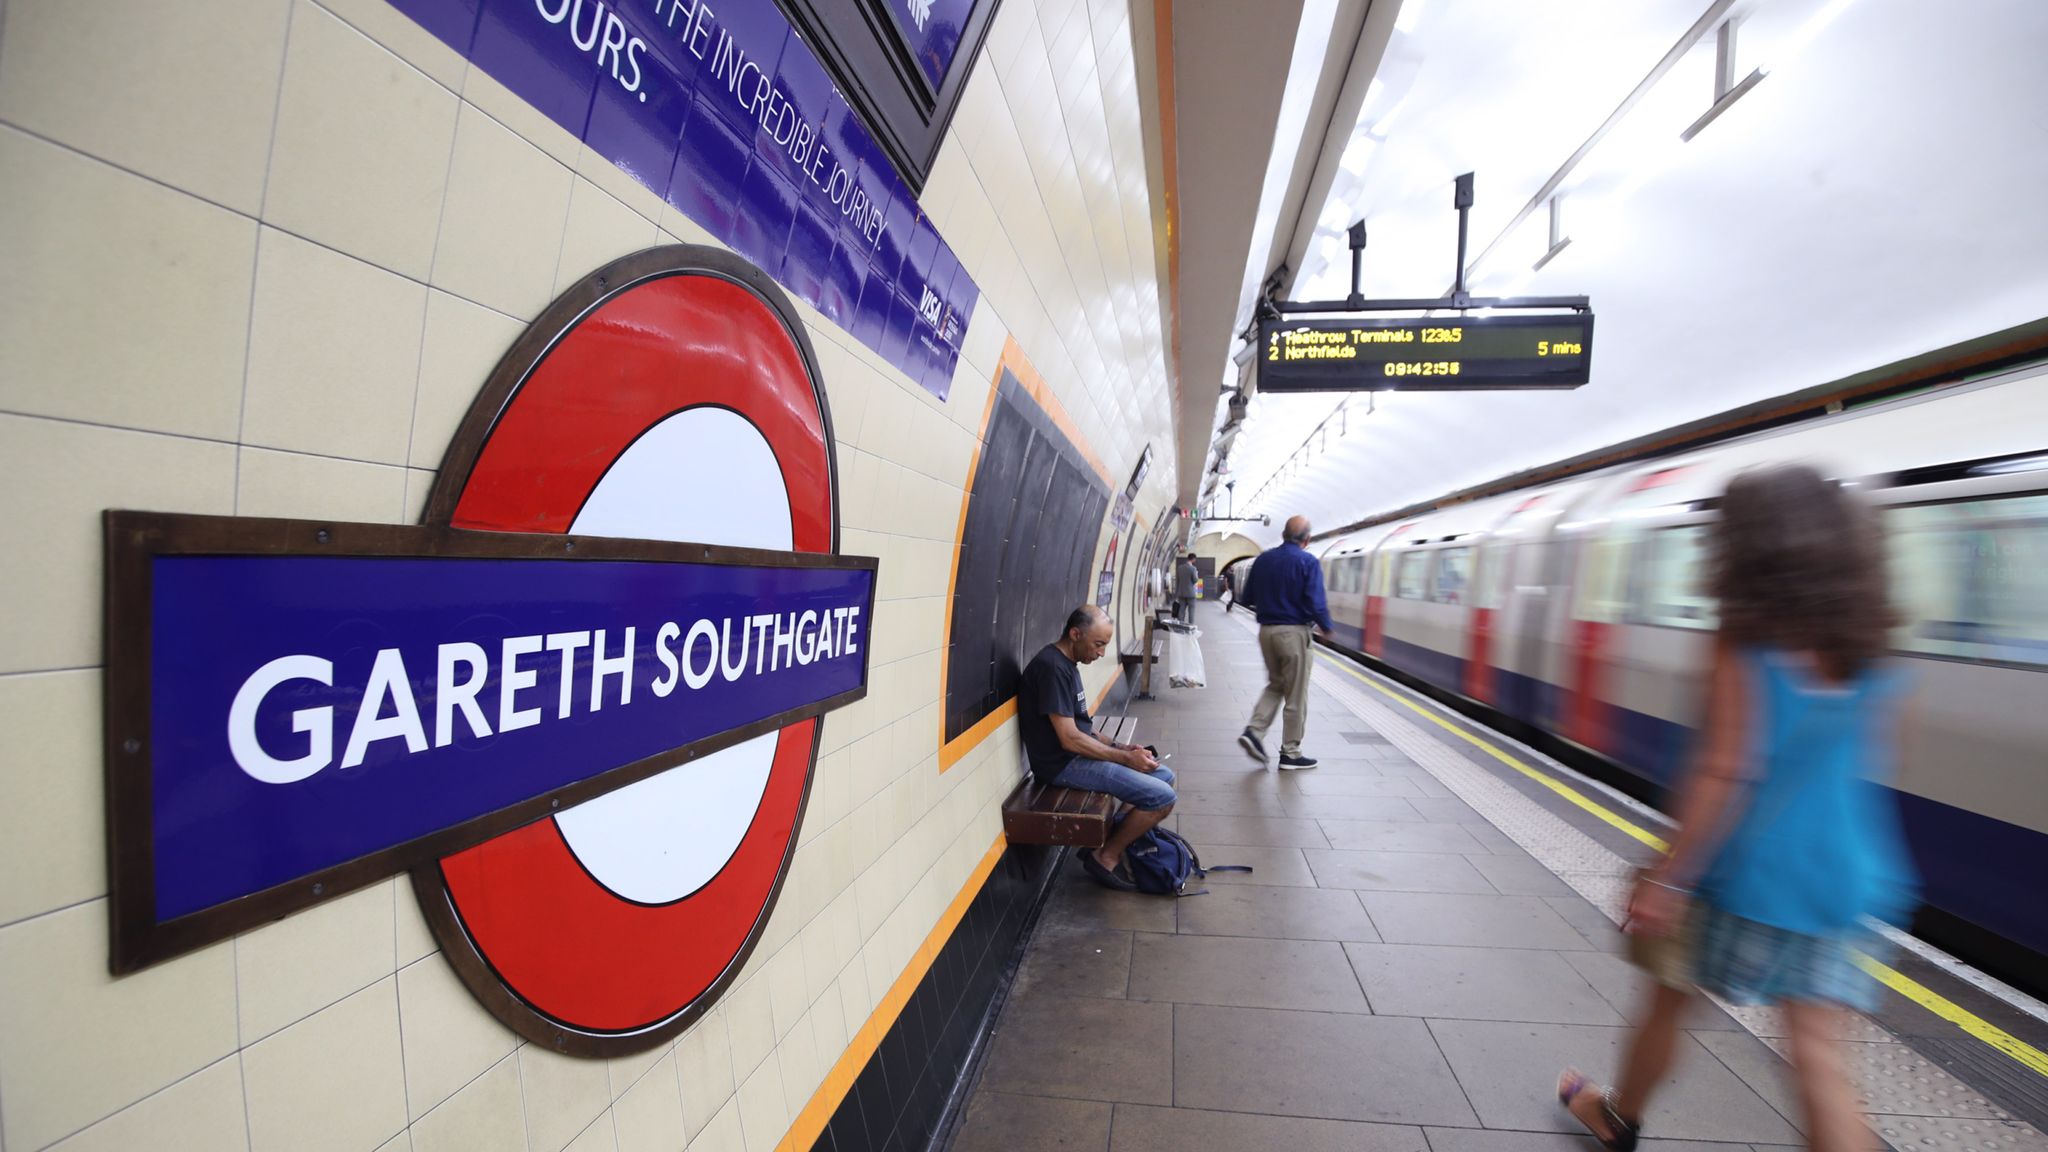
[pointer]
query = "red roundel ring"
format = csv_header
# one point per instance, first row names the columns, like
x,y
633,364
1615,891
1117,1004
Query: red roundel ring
x,y
684,338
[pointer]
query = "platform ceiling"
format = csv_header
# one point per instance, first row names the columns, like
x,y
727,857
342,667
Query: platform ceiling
x,y
1872,198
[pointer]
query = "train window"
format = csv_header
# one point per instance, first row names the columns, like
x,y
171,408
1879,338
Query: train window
x,y
1411,576
1453,575
1494,561
1382,568
1971,579
1602,583
1674,579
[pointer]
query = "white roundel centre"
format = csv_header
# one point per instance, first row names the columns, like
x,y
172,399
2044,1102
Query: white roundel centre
x,y
708,476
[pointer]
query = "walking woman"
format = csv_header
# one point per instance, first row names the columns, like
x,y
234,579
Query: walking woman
x,y
1786,840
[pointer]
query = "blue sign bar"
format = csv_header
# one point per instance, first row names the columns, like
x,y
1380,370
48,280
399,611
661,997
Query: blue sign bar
x,y
306,711
724,112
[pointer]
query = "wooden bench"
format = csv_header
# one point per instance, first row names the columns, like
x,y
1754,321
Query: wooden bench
x,y
1136,656
1043,814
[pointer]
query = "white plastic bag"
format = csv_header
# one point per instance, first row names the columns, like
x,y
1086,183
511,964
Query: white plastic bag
x,y
1184,658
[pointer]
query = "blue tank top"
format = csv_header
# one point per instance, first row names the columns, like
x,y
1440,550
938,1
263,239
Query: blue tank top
x,y
1816,843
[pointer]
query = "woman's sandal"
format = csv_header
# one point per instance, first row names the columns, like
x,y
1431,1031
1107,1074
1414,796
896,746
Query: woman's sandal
x,y
1623,1134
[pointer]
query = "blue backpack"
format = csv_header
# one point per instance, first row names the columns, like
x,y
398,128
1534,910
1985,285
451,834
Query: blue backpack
x,y
1161,864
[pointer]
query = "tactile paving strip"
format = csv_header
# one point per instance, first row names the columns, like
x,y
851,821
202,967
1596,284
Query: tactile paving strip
x,y
1934,1134
1914,1104
1897,1081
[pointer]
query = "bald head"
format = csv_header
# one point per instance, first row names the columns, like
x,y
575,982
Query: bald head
x,y
1089,631
1296,530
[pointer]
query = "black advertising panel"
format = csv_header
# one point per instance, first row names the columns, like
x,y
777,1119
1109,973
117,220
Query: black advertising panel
x,y
1441,354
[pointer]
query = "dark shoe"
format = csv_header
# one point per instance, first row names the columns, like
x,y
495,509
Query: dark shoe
x,y
1252,745
1104,876
1296,763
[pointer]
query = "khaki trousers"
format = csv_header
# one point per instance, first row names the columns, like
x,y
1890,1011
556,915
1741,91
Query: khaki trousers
x,y
1286,648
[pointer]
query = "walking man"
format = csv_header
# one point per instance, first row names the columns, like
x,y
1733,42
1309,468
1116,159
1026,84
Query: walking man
x,y
1285,590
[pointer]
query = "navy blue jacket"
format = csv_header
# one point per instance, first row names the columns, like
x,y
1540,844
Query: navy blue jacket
x,y
1286,587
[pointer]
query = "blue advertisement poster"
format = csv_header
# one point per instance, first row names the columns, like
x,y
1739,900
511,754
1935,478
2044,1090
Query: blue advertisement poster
x,y
724,112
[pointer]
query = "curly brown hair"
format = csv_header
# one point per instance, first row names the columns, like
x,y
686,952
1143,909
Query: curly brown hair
x,y
1799,565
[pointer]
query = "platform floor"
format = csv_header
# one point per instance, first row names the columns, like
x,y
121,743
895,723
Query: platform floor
x,y
1428,937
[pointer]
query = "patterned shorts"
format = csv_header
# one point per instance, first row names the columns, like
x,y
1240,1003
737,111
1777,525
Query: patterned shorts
x,y
1745,962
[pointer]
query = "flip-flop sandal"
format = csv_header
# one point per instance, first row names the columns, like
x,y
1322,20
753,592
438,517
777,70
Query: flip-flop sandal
x,y
1573,1082
1104,876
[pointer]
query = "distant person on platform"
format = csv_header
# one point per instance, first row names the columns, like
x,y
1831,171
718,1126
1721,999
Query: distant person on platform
x,y
1229,596
1059,738
1184,577
1285,590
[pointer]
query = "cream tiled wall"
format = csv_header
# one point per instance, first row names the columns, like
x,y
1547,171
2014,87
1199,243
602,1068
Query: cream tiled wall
x,y
257,257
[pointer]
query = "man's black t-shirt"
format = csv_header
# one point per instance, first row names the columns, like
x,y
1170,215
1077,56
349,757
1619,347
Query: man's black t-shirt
x,y
1051,686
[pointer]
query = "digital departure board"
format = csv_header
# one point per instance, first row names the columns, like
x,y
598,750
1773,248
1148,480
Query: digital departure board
x,y
1443,354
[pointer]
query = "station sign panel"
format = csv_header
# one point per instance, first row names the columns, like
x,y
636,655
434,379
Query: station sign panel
x,y
578,704
1444,354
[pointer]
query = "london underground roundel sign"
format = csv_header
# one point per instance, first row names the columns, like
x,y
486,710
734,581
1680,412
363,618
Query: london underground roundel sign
x,y
580,703
675,398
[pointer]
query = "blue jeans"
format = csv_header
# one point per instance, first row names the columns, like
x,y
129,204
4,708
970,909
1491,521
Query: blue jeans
x,y
1145,791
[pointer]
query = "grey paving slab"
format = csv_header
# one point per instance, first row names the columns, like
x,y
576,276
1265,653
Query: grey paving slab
x,y
1277,914
1323,807
1354,788
1510,1073
1591,923
1139,1128
1495,840
1311,975
1257,831
1335,768
1082,1048
1319,783
1624,986
1378,1068
1520,875
1764,1071
1399,836
1450,810
1076,963
1472,920
1231,765
1270,867
1004,1122
1396,871
1476,984
1078,903
1214,802
1492,1140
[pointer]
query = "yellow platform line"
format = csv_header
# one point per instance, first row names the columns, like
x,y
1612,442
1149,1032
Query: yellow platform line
x,y
1548,781
1991,1034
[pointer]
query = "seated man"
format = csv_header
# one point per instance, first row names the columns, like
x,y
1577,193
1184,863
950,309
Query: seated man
x,y
1059,737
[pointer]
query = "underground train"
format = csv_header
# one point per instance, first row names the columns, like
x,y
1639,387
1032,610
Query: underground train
x,y
1577,608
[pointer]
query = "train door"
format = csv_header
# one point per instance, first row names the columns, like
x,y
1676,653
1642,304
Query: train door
x,y
1517,597
1379,585
1598,605
1660,690
1494,556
